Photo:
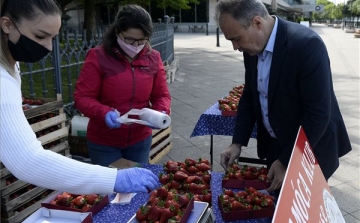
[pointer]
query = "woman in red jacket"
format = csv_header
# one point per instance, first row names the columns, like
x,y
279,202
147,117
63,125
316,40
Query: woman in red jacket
x,y
123,73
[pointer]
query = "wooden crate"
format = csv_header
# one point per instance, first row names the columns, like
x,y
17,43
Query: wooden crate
x,y
160,154
19,199
25,209
161,144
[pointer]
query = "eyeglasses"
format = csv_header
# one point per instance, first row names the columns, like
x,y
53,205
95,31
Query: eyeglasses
x,y
131,41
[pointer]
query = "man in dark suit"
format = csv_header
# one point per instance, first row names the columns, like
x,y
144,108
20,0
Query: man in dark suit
x,y
288,84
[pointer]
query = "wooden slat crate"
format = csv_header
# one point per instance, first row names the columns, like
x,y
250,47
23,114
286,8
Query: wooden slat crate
x,y
161,144
19,199
160,154
25,209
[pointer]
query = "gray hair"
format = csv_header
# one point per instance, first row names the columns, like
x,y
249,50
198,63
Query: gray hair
x,y
241,10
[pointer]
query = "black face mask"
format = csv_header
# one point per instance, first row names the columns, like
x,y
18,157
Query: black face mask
x,y
27,50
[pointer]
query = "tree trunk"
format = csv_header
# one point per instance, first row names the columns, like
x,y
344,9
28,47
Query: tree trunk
x,y
89,19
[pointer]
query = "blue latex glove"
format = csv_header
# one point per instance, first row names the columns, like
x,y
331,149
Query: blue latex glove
x,y
110,119
152,127
135,180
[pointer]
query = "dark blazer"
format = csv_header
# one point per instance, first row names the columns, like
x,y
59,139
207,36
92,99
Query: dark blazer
x,y
300,93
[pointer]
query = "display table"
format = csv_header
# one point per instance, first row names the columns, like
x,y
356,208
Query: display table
x,y
211,122
123,213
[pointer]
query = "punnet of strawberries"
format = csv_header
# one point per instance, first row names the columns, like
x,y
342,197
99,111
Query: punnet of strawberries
x,y
189,166
189,176
248,199
246,172
164,205
81,202
231,101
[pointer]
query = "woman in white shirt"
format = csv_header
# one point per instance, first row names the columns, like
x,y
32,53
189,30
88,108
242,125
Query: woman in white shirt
x,y
27,29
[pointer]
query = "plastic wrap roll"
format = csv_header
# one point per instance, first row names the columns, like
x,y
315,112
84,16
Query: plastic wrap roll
x,y
147,117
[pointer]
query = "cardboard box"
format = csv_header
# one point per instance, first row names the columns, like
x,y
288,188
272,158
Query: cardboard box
x,y
45,215
124,164
245,214
94,209
240,184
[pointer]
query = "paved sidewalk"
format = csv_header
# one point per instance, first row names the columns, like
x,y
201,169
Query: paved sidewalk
x,y
206,73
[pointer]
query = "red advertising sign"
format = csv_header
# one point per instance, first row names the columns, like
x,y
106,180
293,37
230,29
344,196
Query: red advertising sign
x,y
305,195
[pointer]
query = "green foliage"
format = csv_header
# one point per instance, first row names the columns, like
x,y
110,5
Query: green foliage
x,y
175,4
331,11
356,7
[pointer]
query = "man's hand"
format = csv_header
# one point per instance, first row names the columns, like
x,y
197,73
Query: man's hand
x,y
229,155
276,175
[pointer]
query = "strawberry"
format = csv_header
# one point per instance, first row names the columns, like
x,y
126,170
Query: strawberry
x,y
190,162
180,176
250,190
194,186
154,213
79,201
165,215
175,185
248,175
67,195
203,167
162,192
171,169
238,175
182,165
263,170
206,177
175,207
203,160
53,202
197,197
86,207
256,200
164,178
269,196
192,169
240,194
262,177
64,201
267,202
183,200
236,206
229,192
171,163
207,197
190,179
141,213
181,169
92,199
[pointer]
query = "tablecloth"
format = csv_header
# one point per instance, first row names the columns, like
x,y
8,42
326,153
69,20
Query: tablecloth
x,y
114,213
211,122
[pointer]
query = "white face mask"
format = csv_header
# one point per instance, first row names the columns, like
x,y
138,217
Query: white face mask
x,y
130,50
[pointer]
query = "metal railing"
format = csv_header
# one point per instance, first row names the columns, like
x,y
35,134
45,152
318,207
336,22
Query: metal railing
x,y
58,72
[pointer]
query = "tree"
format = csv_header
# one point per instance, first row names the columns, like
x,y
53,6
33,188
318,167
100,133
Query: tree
x,y
90,5
327,13
89,20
